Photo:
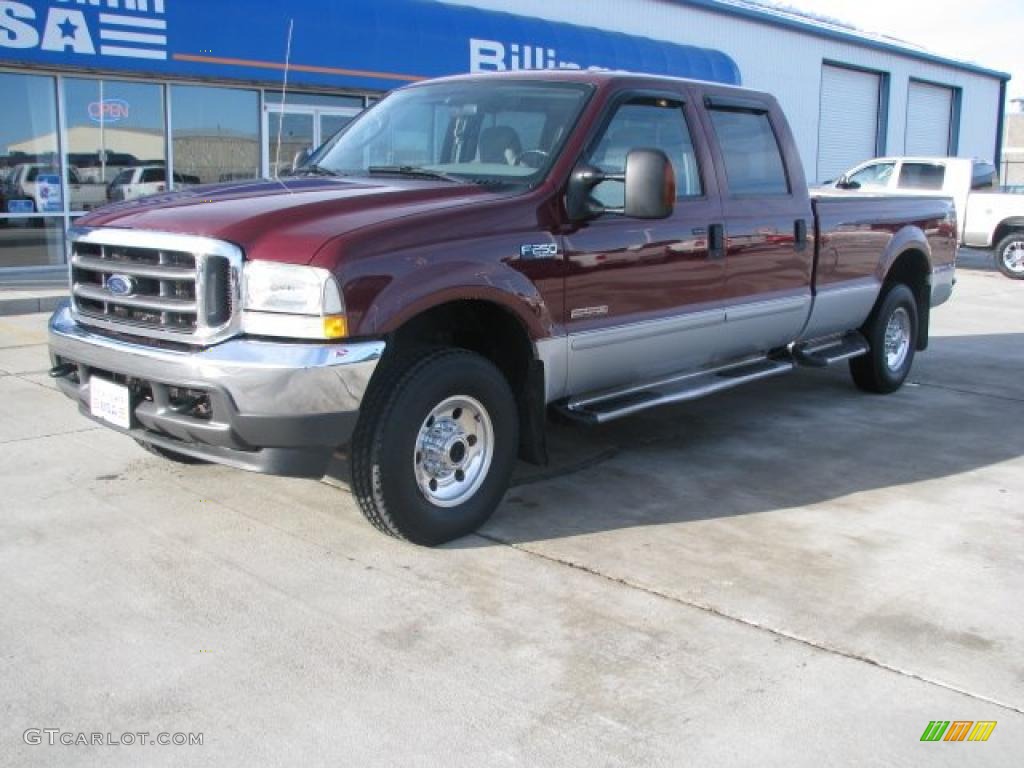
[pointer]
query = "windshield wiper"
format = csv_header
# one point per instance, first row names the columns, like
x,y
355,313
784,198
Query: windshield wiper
x,y
315,169
415,171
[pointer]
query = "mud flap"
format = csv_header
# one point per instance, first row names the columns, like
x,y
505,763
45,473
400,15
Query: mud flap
x,y
533,445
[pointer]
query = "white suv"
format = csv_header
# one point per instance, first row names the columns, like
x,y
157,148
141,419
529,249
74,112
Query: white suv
x,y
144,180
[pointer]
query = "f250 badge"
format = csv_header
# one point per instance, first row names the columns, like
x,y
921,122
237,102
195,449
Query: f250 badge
x,y
538,251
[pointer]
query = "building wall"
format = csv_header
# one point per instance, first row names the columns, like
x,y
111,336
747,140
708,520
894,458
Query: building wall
x,y
1013,150
785,62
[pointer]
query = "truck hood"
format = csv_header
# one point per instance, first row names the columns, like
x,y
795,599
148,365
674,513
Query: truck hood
x,y
285,220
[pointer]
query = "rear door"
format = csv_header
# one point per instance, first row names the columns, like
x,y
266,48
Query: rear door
x,y
643,296
769,224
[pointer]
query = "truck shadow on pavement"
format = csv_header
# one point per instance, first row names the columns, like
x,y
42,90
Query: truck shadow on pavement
x,y
799,440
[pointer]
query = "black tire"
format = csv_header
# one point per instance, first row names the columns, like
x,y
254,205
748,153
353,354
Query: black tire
x,y
1010,255
386,456
876,372
164,453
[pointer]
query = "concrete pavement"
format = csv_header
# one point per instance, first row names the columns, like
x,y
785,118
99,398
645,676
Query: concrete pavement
x,y
793,573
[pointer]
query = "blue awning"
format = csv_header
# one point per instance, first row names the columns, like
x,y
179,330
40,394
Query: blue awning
x,y
371,44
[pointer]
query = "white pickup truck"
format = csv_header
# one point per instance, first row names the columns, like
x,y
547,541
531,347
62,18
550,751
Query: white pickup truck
x,y
39,185
988,218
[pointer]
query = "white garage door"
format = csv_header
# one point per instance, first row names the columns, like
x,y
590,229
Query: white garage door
x,y
848,123
929,111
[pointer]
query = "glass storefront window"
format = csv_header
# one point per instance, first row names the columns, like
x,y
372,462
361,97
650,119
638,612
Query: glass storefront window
x,y
331,124
32,242
112,125
215,133
29,173
295,132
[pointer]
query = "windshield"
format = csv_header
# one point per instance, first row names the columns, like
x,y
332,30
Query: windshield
x,y
482,132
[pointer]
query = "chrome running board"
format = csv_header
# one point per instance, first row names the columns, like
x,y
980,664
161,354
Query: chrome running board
x,y
608,405
819,354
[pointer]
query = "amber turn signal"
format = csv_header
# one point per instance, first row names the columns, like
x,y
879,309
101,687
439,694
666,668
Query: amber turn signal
x,y
335,327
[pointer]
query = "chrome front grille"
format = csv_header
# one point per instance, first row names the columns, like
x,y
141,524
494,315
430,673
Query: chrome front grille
x,y
158,285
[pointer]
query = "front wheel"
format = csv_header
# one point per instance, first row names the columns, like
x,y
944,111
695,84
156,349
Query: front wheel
x,y
891,332
1010,255
435,445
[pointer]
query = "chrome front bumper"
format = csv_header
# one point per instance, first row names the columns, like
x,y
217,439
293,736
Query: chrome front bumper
x,y
274,407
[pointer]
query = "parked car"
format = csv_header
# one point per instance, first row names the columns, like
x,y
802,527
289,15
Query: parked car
x,y
989,218
144,180
40,184
94,169
427,316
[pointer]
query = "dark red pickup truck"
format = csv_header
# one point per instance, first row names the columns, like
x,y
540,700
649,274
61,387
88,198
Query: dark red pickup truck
x,y
471,253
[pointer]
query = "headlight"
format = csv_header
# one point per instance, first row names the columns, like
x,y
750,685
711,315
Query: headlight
x,y
292,301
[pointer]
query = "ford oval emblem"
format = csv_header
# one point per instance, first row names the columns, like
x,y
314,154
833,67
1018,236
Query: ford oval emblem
x,y
121,285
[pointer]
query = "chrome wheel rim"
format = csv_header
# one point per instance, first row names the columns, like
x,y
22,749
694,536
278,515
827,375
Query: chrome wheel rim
x,y
897,339
1013,257
454,450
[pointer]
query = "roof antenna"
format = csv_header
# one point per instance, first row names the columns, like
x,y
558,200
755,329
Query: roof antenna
x,y
284,98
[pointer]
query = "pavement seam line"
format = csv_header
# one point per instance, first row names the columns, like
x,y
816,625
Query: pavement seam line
x,y
753,624
52,434
963,391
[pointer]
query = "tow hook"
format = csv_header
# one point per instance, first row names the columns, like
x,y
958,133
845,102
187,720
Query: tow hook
x,y
62,370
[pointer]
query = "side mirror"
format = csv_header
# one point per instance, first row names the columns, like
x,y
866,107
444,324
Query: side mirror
x,y
845,183
650,184
650,191
301,157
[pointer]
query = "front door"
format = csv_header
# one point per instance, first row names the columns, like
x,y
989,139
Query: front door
x,y
642,295
288,130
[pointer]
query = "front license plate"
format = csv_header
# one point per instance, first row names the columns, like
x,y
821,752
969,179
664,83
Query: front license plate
x,y
111,402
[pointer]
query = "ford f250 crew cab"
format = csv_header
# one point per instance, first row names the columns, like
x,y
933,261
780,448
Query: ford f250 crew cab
x,y
989,219
471,253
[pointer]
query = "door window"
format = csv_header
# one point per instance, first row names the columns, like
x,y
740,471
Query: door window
x,y
873,176
927,176
646,124
753,160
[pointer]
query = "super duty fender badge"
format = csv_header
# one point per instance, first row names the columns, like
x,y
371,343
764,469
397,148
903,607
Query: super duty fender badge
x,y
538,251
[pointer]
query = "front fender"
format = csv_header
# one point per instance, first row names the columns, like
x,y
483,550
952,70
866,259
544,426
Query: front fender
x,y
437,283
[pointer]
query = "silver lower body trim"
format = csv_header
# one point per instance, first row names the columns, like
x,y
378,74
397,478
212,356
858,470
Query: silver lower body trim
x,y
841,307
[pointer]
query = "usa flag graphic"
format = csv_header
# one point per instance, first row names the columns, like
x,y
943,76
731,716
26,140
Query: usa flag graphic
x,y
138,31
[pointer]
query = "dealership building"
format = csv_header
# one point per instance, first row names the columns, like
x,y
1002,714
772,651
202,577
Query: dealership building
x,y
142,95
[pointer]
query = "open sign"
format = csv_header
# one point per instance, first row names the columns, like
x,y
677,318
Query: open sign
x,y
108,111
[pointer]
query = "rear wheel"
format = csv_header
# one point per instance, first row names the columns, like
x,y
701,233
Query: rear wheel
x,y
891,332
435,445
1010,255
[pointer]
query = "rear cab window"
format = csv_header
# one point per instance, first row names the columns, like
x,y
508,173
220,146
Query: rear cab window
x,y
754,166
926,176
